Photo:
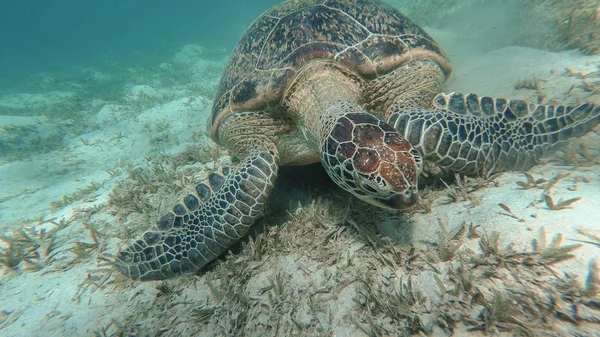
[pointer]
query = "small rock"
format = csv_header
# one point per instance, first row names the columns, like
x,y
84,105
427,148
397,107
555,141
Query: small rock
x,y
189,54
141,91
166,67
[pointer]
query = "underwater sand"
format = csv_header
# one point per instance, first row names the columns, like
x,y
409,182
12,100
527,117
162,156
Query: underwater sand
x,y
86,297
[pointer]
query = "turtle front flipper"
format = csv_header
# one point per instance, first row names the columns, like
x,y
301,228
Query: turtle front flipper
x,y
206,222
471,134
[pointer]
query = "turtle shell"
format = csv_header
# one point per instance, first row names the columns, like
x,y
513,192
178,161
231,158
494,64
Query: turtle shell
x,y
367,37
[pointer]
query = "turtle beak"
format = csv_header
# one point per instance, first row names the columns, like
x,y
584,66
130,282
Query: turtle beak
x,y
400,201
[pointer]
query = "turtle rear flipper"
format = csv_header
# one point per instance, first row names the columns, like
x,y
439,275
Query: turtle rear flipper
x,y
471,134
206,223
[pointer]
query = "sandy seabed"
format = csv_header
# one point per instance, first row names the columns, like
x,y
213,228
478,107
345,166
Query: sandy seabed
x,y
330,276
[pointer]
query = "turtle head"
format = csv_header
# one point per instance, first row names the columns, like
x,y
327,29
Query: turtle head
x,y
370,159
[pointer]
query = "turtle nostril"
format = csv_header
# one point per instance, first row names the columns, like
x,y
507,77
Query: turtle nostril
x,y
411,196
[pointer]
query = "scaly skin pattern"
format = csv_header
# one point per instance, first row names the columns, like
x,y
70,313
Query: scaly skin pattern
x,y
205,224
361,153
367,157
473,135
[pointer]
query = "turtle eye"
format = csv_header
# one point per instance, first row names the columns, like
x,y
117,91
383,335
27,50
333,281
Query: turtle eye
x,y
418,159
368,186
365,183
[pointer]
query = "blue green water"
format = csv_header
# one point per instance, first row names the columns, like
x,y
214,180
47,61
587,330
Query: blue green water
x,y
49,35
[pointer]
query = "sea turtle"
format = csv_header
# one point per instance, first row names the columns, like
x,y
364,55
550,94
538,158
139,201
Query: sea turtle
x,y
355,85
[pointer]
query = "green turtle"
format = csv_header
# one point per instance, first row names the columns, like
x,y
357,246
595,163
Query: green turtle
x,y
355,85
